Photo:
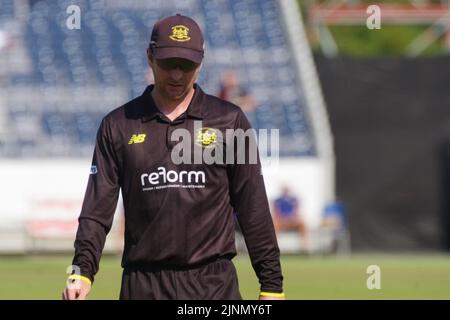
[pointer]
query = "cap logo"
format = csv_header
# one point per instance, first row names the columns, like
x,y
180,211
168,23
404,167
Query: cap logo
x,y
180,33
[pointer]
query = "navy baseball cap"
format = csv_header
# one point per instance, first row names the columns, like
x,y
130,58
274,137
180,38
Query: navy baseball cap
x,y
177,37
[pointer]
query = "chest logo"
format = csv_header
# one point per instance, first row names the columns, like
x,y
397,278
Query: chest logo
x,y
206,137
137,138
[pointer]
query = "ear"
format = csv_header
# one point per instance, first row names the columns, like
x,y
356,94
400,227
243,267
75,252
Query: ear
x,y
149,58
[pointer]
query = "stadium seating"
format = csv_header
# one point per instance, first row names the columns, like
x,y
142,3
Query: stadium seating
x,y
6,9
108,54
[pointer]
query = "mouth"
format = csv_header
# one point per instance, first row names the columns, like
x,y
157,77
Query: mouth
x,y
175,85
175,88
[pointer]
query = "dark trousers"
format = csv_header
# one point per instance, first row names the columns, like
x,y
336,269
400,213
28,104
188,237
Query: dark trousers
x,y
214,281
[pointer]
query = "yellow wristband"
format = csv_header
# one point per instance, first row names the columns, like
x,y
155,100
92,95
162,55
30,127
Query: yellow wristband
x,y
79,277
272,294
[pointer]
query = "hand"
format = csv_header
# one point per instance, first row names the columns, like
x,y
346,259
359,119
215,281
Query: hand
x,y
76,291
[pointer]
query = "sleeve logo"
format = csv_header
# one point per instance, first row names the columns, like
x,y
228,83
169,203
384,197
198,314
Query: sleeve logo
x,y
93,170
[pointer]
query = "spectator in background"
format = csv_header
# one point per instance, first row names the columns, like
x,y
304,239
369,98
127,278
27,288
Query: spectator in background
x,y
334,215
286,217
231,90
335,221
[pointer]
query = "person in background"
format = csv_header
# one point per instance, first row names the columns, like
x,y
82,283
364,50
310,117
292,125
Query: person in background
x,y
334,220
334,215
232,90
287,217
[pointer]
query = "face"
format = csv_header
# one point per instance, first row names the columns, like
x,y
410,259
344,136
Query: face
x,y
174,77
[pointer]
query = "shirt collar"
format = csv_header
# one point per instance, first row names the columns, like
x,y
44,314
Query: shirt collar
x,y
194,110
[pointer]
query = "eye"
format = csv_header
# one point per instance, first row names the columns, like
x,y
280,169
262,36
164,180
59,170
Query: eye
x,y
169,64
187,67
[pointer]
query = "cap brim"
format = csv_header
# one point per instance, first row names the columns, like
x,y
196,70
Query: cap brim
x,y
177,52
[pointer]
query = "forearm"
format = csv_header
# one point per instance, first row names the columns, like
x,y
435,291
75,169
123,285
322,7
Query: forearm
x,y
258,230
89,243
264,253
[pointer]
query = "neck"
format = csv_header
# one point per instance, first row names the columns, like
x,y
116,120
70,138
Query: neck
x,y
172,108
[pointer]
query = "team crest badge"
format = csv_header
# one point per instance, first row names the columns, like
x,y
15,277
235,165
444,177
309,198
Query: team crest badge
x,y
180,33
206,137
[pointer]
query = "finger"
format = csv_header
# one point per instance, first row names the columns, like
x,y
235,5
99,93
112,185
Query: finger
x,y
66,294
82,295
84,292
71,294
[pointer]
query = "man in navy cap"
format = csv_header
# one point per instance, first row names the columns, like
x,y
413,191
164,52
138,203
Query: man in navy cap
x,y
179,218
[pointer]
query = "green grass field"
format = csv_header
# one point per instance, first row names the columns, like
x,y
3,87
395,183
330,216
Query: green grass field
x,y
402,277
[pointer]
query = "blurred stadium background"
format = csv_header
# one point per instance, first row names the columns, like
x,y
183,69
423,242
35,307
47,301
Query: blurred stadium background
x,y
363,117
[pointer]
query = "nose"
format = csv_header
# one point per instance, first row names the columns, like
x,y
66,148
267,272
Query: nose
x,y
176,73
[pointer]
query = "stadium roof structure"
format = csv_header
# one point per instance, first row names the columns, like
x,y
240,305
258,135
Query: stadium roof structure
x,y
436,16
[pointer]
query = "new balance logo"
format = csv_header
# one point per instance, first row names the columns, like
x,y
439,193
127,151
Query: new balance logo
x,y
137,138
